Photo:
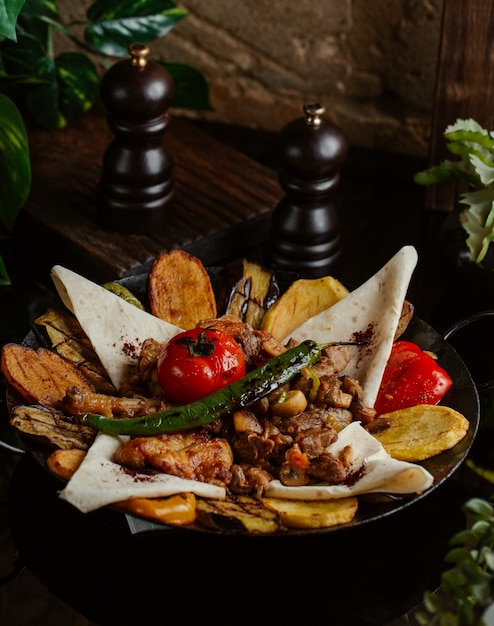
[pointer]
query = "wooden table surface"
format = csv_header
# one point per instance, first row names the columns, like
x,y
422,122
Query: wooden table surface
x,y
221,206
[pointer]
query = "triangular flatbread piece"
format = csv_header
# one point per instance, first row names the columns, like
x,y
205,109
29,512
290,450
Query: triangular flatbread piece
x,y
371,312
115,328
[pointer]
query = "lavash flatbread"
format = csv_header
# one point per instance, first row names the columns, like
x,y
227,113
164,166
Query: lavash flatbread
x,y
372,312
111,323
98,481
378,472
115,328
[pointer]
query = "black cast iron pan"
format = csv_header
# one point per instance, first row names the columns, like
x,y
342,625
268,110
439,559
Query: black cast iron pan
x,y
463,397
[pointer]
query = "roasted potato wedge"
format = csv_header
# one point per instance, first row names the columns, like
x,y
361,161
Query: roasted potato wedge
x,y
304,298
235,512
180,290
177,510
313,513
422,431
64,463
41,376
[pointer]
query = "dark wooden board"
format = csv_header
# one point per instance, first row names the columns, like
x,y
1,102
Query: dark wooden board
x,y
222,202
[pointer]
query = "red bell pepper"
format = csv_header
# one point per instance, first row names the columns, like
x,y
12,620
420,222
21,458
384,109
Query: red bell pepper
x,y
410,377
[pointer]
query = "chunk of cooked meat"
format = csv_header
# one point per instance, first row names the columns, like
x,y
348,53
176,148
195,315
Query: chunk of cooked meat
x,y
131,453
192,455
79,401
314,441
334,359
249,479
258,346
329,468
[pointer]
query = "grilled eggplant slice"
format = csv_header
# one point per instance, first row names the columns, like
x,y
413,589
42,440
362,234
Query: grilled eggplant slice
x,y
253,293
237,512
52,426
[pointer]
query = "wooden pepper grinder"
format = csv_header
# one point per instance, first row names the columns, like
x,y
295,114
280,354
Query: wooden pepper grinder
x,y
305,228
136,185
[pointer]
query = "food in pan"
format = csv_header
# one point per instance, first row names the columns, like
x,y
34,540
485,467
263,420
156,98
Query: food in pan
x,y
300,426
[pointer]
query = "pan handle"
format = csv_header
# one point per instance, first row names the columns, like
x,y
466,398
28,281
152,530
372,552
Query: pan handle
x,y
10,448
464,322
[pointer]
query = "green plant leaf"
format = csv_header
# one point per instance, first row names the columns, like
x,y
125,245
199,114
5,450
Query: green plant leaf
x,y
457,555
15,167
9,12
78,83
115,25
478,222
483,169
38,8
32,20
447,170
191,88
4,276
25,58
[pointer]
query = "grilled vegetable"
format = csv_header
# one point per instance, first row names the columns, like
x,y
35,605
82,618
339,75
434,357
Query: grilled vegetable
x,y
124,293
302,300
40,376
60,430
180,290
237,511
421,431
198,362
313,513
71,342
253,293
177,510
255,385
411,377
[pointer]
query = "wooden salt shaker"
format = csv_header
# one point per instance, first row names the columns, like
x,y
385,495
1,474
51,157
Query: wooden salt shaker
x,y
305,229
136,185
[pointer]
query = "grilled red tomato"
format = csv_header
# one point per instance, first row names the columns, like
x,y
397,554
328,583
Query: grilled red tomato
x,y
411,377
197,362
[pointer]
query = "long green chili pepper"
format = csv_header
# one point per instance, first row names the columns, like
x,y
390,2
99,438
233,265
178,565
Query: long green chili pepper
x,y
255,385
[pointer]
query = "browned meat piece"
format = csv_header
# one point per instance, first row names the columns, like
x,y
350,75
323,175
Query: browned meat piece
x,y
252,448
78,401
338,418
247,479
329,468
352,386
313,442
334,360
361,412
132,455
330,392
377,425
312,417
188,455
150,351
